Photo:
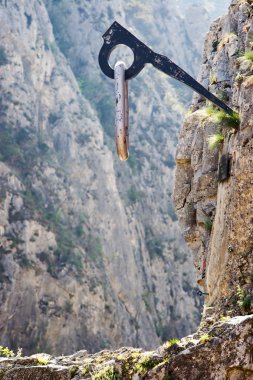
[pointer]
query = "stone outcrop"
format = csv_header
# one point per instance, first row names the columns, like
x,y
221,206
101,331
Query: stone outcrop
x,y
224,353
213,189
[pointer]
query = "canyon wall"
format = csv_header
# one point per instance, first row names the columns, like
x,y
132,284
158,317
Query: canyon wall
x,y
213,198
78,243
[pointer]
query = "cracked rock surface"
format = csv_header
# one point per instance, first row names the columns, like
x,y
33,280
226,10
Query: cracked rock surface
x,y
215,212
225,352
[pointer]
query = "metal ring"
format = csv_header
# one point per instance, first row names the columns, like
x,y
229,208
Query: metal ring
x,y
117,35
121,118
104,56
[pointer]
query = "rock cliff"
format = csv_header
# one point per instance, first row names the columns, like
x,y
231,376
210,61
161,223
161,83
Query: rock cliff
x,y
213,189
213,198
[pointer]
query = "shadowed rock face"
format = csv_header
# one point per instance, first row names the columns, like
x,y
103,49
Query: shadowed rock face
x,y
213,190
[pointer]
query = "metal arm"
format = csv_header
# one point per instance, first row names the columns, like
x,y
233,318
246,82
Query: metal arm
x,y
118,35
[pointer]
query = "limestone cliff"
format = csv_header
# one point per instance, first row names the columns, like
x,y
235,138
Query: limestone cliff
x,y
213,197
78,245
213,190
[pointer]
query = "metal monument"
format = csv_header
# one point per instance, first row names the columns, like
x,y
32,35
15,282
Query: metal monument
x,y
117,35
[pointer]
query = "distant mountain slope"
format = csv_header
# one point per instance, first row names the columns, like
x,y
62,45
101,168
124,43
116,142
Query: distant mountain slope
x,y
90,252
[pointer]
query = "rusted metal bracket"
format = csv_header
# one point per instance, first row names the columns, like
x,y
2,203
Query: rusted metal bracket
x,y
118,35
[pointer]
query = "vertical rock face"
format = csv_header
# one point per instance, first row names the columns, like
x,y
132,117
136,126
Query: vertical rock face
x,y
213,190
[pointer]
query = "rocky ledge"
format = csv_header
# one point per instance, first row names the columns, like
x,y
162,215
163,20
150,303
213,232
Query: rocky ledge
x,y
224,351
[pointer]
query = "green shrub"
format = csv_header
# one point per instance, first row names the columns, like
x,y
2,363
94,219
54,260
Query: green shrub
x,y
9,149
134,195
215,140
204,338
67,255
244,300
79,230
3,57
53,47
22,136
134,163
107,373
53,118
225,318
29,199
223,118
23,260
94,249
162,330
168,377
155,246
208,224
238,53
43,147
213,78
172,342
246,303
42,360
146,300
223,95
249,55
73,371
239,78
145,364
6,352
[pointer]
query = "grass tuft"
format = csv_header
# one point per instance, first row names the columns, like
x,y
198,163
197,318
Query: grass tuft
x,y
239,78
244,300
107,373
204,338
225,318
208,223
145,364
172,342
42,360
215,140
6,352
221,117
249,55
213,78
